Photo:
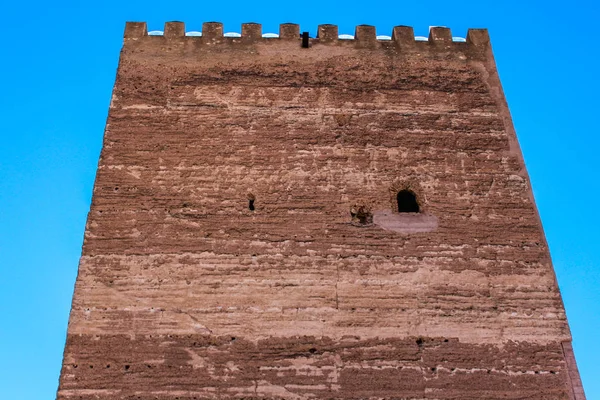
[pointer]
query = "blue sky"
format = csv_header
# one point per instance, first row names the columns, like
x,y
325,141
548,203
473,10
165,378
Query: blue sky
x,y
58,67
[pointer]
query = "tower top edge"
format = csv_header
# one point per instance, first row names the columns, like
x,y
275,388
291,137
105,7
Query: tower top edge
x,y
365,35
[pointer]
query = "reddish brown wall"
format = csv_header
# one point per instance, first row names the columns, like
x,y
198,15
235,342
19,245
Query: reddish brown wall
x,y
184,293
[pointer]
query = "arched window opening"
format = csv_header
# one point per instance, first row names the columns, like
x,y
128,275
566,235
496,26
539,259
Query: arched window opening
x,y
407,202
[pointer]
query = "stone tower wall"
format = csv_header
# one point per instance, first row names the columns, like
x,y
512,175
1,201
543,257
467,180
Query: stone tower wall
x,y
184,292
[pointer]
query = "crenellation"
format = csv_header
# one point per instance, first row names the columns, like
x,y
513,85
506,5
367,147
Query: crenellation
x,y
289,31
365,36
251,32
174,29
403,36
212,30
135,30
478,37
327,33
440,35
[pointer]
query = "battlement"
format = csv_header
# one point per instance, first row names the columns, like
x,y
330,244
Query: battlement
x,y
365,36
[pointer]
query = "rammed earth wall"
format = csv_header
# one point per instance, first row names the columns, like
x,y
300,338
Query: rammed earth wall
x,y
184,292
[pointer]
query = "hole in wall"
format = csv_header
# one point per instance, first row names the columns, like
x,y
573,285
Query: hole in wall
x,y
361,214
251,199
407,202
312,350
342,119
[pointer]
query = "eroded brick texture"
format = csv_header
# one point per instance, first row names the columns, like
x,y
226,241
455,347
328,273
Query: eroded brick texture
x,y
183,292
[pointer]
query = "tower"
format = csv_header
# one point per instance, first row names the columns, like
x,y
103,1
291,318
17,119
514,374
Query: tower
x,y
293,217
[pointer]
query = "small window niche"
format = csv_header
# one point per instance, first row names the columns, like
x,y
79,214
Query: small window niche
x,y
407,213
407,202
251,200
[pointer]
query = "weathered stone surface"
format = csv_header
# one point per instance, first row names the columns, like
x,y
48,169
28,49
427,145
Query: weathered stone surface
x,y
184,292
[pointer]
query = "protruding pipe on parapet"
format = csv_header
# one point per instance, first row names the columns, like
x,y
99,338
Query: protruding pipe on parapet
x,y
478,37
305,40
365,36
327,33
135,30
289,31
212,30
403,36
174,29
439,35
251,32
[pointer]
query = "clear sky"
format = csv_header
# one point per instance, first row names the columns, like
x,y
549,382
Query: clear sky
x,y
58,66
